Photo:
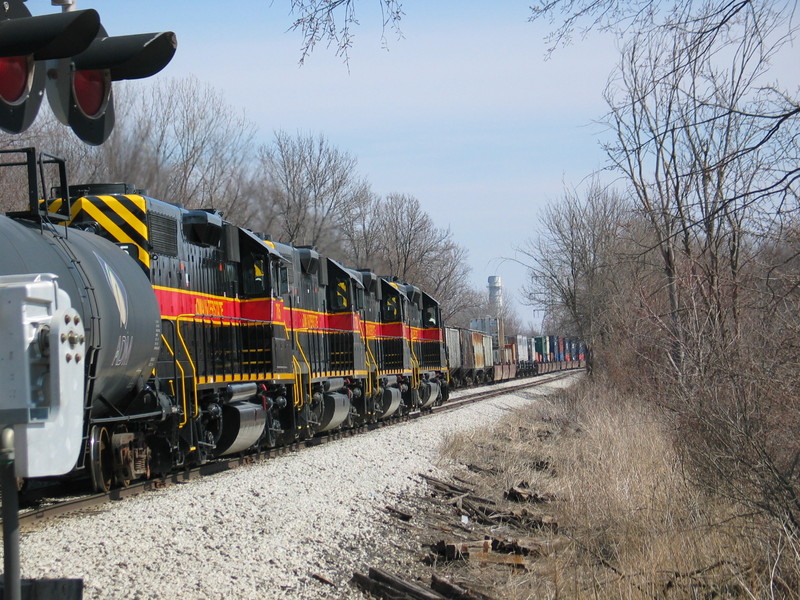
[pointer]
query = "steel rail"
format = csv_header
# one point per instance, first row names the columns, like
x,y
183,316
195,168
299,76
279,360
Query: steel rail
x,y
32,517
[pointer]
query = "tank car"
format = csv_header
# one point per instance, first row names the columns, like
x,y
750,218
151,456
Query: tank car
x,y
122,327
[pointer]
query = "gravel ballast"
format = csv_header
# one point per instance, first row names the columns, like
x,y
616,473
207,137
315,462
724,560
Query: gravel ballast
x,y
277,529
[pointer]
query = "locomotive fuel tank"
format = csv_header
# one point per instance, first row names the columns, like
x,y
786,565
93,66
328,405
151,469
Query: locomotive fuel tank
x,y
110,292
390,402
429,393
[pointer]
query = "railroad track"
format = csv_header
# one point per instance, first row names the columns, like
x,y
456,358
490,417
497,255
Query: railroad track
x,y
50,506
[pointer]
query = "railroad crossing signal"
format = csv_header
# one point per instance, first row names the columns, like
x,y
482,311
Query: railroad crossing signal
x,y
80,60
79,88
25,43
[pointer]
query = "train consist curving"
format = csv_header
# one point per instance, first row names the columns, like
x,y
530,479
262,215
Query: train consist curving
x,y
203,339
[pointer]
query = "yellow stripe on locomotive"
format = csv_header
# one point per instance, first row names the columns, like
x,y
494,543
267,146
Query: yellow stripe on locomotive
x,y
121,217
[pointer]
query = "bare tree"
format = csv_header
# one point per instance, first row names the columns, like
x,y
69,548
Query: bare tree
x,y
709,149
177,139
314,187
446,277
411,239
192,147
361,232
467,304
624,18
573,262
395,236
332,21
698,146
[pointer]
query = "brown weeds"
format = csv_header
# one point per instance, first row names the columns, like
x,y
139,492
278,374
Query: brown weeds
x,y
635,524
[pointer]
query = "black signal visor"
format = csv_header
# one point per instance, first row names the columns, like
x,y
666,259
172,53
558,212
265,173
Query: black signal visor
x,y
129,56
48,36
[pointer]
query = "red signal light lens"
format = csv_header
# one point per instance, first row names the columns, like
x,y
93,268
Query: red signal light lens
x,y
13,78
91,89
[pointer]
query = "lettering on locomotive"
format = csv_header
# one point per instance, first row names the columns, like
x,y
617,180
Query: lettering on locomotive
x,y
206,306
310,321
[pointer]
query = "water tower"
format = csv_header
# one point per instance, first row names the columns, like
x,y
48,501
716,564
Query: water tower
x,y
495,295
496,309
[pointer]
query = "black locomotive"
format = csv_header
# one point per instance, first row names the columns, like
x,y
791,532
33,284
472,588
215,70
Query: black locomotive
x,y
204,339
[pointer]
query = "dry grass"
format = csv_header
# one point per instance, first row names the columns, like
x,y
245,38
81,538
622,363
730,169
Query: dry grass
x,y
634,526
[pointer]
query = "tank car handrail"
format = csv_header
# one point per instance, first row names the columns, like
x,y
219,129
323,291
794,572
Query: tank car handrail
x,y
127,418
63,187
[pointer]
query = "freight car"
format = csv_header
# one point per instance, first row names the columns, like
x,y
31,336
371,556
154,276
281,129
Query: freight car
x,y
205,339
470,356
472,359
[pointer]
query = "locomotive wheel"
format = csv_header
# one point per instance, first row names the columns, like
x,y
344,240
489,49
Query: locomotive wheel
x,y
101,459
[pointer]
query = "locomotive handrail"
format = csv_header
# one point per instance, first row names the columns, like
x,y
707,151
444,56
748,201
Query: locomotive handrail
x,y
178,320
308,366
371,357
221,319
183,379
414,366
298,376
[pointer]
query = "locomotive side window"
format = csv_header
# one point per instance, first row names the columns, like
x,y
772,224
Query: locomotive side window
x,y
390,309
432,316
283,280
232,280
339,294
255,276
360,303
342,295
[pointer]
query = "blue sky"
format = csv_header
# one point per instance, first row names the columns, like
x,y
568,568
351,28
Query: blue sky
x,y
463,112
